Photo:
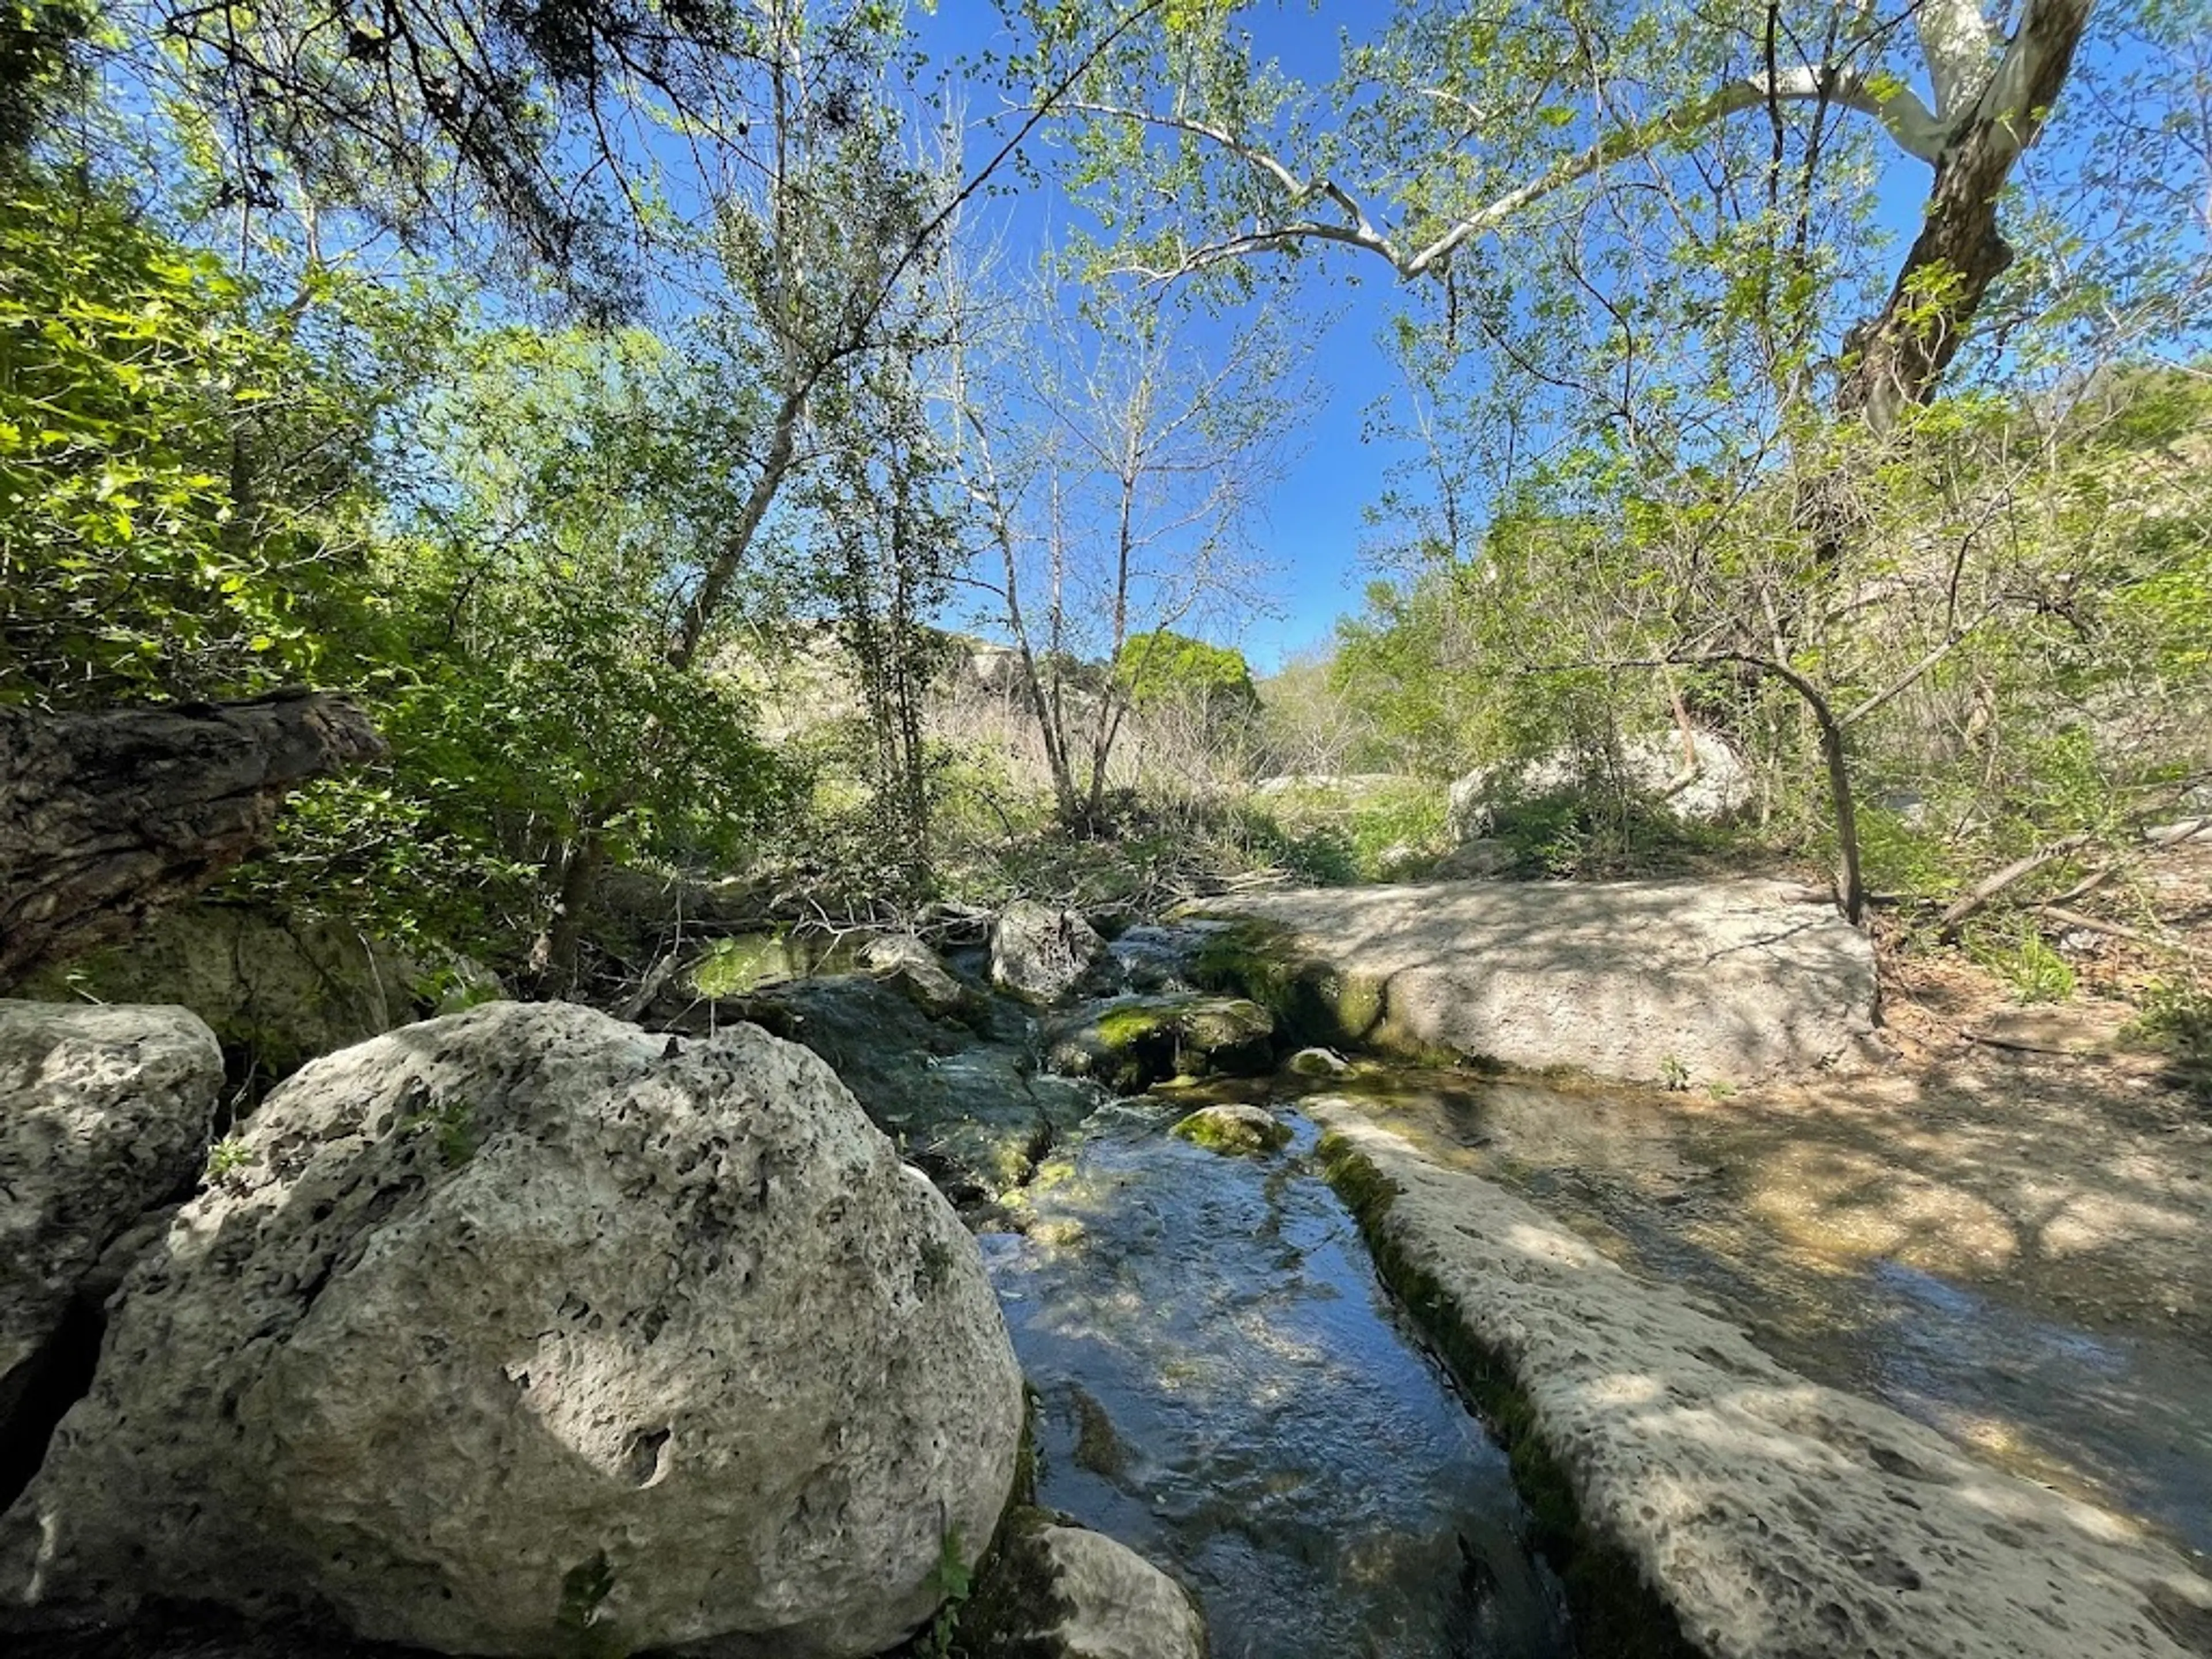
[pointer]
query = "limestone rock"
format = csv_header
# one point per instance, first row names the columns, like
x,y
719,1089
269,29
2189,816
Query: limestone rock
x,y
1687,980
1234,1128
1704,782
105,1113
1319,1062
276,994
975,1114
1133,1043
905,961
1779,1519
107,814
1060,1591
524,1326
1041,954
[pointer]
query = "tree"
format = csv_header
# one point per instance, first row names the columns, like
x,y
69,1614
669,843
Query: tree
x,y
1164,668
1113,486
526,580
172,463
1449,136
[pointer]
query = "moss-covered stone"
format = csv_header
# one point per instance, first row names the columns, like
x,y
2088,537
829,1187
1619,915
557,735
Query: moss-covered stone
x,y
1130,1046
1234,1129
1617,1615
1313,1003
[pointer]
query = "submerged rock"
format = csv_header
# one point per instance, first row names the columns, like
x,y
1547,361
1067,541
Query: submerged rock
x,y
105,1113
1319,1062
1234,1128
1042,955
1133,1043
1686,981
526,1329
1057,1591
1773,1517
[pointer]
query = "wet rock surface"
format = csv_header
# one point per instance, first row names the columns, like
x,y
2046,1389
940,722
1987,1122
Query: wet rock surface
x,y
1069,1592
963,1099
1774,1516
526,1325
1692,982
1234,1128
104,1114
1132,1042
1043,954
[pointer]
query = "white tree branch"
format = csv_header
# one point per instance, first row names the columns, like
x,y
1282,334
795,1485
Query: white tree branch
x,y
1957,42
1907,120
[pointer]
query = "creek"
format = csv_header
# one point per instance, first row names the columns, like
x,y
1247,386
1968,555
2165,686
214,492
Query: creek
x,y
1223,1384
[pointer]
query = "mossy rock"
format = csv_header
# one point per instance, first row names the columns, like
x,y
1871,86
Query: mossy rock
x,y
1130,1046
1313,1003
1234,1129
1318,1062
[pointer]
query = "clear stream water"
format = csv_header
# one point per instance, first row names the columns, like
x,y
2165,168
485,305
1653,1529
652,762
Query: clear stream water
x,y
2125,1419
1225,1387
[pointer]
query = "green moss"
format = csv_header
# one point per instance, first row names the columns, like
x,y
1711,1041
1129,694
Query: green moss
x,y
1617,1615
1126,1028
1225,1129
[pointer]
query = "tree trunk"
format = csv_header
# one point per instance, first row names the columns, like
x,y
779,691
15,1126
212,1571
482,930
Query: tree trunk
x,y
1896,358
105,817
554,953
1850,880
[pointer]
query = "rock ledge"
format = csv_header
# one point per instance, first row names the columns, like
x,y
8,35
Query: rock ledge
x,y
1777,1518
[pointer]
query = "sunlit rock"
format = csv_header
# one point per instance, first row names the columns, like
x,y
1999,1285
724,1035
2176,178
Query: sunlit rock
x,y
525,1326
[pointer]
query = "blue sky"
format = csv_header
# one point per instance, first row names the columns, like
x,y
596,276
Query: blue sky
x,y
1314,530
1311,531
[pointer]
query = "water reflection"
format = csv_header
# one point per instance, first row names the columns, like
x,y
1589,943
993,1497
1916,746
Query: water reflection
x,y
1224,1387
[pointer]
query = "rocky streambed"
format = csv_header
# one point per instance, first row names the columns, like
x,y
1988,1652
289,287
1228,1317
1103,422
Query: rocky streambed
x,y
1322,1359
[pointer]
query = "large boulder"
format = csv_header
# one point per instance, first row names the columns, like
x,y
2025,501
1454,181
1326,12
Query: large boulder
x,y
1681,982
105,816
1058,1591
276,993
104,1114
524,1330
1043,954
1699,779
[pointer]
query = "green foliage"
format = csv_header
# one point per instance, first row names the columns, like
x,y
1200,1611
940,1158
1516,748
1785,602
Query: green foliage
x,y
150,465
1167,668
2176,1017
39,42
950,1583
2013,949
451,1125
226,1157
515,656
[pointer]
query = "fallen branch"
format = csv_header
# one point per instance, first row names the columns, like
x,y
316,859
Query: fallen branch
x,y
2003,881
2067,918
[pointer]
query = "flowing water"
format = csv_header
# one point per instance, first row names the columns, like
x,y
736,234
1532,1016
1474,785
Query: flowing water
x,y
2121,1417
1224,1387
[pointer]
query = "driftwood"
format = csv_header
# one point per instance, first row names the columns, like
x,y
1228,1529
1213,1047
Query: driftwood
x,y
105,817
